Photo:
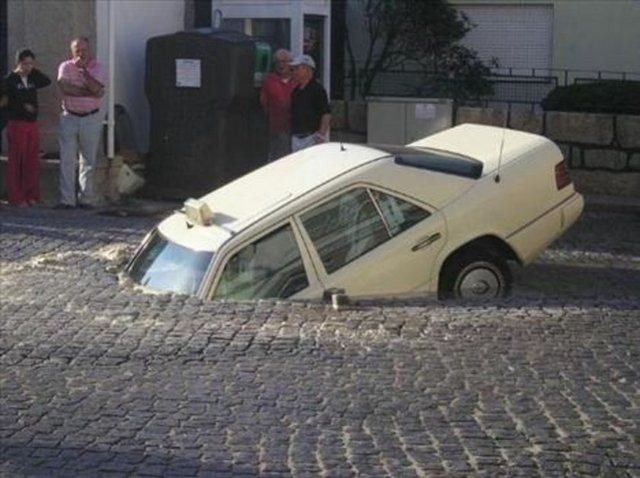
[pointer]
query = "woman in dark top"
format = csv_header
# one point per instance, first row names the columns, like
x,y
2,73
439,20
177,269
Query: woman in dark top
x,y
20,89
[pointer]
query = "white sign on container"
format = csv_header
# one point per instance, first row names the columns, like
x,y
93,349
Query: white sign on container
x,y
188,73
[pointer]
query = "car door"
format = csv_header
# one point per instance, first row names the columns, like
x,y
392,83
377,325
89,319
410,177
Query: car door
x,y
373,242
269,264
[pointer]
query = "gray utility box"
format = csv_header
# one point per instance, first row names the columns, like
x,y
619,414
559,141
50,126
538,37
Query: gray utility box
x,y
405,120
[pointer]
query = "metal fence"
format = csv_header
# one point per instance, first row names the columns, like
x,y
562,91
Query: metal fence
x,y
510,85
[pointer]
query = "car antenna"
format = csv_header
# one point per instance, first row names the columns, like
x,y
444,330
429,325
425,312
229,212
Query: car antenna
x,y
497,176
342,148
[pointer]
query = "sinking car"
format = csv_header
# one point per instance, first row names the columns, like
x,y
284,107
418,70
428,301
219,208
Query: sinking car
x,y
443,216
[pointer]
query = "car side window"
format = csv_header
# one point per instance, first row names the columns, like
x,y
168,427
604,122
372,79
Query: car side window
x,y
399,214
345,228
270,267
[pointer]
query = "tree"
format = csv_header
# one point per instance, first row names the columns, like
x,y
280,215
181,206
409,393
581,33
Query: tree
x,y
422,34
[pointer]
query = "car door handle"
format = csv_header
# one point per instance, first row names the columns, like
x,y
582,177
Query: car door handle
x,y
426,241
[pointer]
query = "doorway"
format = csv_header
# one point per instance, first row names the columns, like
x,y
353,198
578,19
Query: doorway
x,y
313,42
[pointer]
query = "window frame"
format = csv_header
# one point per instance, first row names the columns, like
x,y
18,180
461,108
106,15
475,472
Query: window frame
x,y
229,250
309,244
386,221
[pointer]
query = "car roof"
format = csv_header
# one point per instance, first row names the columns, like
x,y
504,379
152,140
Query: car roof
x,y
256,194
253,196
248,199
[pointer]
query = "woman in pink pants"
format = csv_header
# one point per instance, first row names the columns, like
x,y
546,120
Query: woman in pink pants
x,y
21,99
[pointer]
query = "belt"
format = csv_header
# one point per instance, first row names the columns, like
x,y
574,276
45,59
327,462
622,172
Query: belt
x,y
302,135
82,115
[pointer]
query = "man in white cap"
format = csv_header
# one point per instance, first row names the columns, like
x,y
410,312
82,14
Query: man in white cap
x,y
310,111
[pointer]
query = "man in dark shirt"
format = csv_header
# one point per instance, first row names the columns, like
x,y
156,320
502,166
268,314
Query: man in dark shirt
x,y
20,88
310,111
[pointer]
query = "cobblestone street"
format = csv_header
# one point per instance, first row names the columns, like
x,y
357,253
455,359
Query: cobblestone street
x,y
98,379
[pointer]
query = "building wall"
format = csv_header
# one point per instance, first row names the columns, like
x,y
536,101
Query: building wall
x,y
589,34
135,22
602,35
47,28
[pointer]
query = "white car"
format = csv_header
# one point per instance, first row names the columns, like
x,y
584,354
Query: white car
x,y
441,216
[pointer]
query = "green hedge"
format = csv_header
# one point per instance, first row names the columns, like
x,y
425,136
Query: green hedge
x,y
606,96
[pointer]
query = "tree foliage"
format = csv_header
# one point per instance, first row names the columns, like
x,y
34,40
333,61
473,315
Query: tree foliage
x,y
423,34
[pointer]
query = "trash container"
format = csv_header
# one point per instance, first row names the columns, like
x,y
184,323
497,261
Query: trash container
x,y
206,124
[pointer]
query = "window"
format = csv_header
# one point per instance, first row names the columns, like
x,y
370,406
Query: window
x,y
345,228
164,265
399,215
270,267
274,31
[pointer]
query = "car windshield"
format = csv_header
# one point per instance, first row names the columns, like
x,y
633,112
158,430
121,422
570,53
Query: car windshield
x,y
166,266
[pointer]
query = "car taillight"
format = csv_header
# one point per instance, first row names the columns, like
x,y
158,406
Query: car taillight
x,y
562,175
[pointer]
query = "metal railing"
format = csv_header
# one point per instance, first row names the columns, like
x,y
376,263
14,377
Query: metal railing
x,y
510,85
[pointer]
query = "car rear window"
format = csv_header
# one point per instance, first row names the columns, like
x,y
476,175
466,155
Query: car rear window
x,y
434,160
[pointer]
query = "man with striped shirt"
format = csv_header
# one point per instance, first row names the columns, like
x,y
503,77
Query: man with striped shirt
x,y
81,82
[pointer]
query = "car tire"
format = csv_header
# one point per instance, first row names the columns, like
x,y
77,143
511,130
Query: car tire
x,y
475,275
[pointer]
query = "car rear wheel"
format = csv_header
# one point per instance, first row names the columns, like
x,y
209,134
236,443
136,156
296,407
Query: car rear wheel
x,y
475,275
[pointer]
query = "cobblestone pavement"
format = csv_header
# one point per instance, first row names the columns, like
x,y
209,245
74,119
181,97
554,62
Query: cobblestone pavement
x,y
97,379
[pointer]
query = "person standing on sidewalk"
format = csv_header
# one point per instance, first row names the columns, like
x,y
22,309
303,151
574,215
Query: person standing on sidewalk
x,y
81,81
310,111
21,99
275,98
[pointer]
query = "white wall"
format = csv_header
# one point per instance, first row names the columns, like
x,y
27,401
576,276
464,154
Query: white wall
x,y
135,21
588,34
519,36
